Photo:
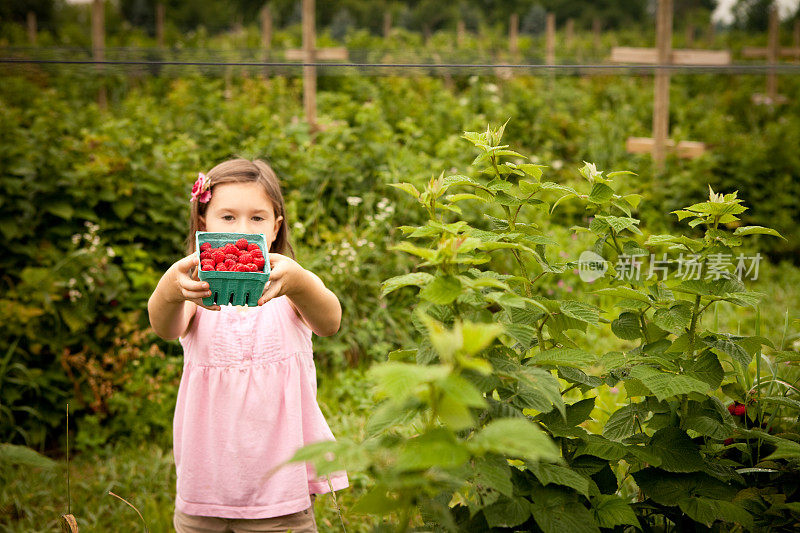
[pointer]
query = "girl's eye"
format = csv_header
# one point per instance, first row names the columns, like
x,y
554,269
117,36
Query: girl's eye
x,y
258,219
227,217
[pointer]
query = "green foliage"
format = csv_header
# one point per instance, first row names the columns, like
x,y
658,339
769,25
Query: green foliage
x,y
474,423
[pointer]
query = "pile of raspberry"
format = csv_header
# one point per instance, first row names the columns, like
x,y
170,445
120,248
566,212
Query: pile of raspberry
x,y
240,257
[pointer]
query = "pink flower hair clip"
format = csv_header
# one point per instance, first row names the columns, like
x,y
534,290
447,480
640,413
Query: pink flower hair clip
x,y
200,189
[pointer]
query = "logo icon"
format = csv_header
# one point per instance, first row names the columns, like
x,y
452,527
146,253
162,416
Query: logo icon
x,y
591,266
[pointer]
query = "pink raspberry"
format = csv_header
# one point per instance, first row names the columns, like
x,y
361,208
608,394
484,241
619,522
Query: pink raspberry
x,y
206,246
241,268
219,256
259,263
231,248
242,244
208,265
253,246
245,258
252,267
229,264
206,255
232,257
222,268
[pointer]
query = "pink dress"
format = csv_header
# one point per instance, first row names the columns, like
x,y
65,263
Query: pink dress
x,y
247,401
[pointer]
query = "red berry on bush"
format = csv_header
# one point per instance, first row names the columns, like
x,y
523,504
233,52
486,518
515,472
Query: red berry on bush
x,y
242,244
728,442
740,410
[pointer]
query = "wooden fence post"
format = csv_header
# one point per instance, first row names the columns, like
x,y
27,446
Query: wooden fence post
x,y
266,36
32,28
550,39
569,33
309,71
387,24
661,92
98,47
160,24
460,32
596,26
773,49
513,33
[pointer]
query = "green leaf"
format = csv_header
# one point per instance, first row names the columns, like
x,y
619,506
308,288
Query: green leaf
x,y
676,450
624,421
625,292
388,414
123,208
507,512
419,279
666,384
752,230
13,454
707,426
600,447
515,437
398,380
557,510
534,171
407,247
436,448
600,193
627,326
548,473
60,209
708,510
377,501
442,290
478,335
561,357
610,511
706,368
407,187
562,422
580,310
675,319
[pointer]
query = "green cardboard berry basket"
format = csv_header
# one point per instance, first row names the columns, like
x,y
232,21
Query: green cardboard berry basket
x,y
236,288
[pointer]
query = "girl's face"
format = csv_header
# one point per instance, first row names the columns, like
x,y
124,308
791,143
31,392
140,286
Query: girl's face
x,y
241,208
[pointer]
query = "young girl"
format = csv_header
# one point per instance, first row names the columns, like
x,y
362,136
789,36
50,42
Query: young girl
x,y
247,397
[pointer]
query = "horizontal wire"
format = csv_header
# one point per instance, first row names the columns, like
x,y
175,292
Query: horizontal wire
x,y
733,68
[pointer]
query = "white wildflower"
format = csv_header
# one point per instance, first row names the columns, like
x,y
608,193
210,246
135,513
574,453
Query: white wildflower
x,y
354,200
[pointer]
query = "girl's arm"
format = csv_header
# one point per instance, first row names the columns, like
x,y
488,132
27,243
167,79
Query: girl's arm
x,y
174,301
317,304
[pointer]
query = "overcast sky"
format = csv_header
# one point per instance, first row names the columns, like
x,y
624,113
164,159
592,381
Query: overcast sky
x,y
723,11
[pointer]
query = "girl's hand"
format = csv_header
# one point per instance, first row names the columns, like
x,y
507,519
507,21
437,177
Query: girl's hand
x,y
284,279
186,285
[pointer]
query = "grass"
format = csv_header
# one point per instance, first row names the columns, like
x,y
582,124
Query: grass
x,y
33,498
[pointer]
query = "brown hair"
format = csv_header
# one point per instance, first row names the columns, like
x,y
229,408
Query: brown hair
x,y
245,171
